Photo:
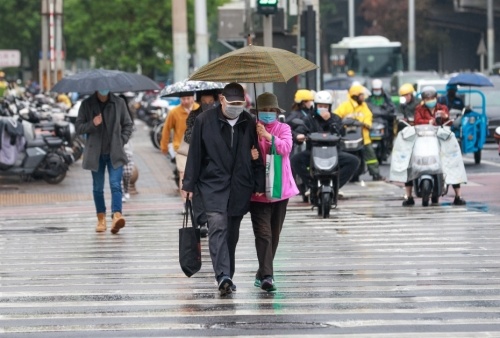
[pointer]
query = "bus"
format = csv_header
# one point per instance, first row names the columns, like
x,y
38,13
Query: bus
x,y
367,56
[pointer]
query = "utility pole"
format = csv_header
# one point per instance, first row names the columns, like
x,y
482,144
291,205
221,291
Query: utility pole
x,y
267,29
352,32
180,40
201,38
411,35
491,36
51,64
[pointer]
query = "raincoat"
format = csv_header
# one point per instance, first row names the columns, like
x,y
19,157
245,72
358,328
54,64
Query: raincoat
x,y
360,112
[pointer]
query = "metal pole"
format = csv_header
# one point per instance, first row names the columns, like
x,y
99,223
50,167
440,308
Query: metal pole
x,y
491,37
352,32
43,64
267,27
180,39
318,43
411,35
201,33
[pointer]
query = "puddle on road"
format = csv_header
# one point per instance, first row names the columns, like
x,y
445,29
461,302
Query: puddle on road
x,y
473,206
40,230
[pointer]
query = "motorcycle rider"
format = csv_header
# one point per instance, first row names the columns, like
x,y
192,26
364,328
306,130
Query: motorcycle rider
x,y
451,100
409,104
355,107
323,120
302,106
434,113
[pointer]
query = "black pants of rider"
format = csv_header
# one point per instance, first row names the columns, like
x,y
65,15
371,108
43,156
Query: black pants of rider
x,y
371,160
410,184
348,166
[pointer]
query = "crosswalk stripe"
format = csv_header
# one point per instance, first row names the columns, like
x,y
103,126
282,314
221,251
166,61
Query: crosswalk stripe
x,y
372,268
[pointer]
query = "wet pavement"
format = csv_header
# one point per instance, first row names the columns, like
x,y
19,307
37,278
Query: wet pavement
x,y
374,269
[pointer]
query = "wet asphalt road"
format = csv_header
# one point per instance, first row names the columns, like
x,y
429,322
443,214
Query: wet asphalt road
x,y
372,269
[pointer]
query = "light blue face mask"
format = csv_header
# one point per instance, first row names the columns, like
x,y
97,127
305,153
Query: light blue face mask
x,y
431,104
267,117
103,92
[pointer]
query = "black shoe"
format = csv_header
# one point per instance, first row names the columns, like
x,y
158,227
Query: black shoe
x,y
203,230
408,202
267,284
378,178
459,201
233,288
225,284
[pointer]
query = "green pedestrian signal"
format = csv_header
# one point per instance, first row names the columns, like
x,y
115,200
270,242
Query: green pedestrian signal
x,y
267,7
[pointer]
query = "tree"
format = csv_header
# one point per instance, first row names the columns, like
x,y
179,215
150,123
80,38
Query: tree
x,y
390,19
21,30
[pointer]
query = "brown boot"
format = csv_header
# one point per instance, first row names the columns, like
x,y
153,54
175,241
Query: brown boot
x,y
101,222
118,222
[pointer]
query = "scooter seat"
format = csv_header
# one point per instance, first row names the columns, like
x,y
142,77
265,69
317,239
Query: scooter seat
x,y
53,142
36,142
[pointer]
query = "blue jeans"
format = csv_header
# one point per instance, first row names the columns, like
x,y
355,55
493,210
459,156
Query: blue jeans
x,y
115,179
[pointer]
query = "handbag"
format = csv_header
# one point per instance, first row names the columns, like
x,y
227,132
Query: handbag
x,y
273,173
183,148
189,244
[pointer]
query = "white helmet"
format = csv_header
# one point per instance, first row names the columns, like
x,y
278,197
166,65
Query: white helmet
x,y
376,84
323,97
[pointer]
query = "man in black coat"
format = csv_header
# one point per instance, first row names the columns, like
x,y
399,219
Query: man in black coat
x,y
220,166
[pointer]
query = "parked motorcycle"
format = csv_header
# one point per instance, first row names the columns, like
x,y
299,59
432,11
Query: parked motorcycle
x,y
42,156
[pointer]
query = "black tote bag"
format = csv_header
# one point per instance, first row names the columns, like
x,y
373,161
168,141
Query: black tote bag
x,y
189,244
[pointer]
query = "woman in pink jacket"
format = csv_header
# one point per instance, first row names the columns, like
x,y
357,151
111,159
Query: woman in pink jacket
x,y
268,215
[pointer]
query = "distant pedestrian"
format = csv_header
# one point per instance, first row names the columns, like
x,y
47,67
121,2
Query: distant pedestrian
x,y
268,215
128,169
176,123
104,118
221,167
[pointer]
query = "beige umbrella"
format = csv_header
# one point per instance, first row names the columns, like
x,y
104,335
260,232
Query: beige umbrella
x,y
254,64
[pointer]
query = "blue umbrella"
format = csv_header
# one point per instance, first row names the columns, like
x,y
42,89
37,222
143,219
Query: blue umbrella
x,y
470,79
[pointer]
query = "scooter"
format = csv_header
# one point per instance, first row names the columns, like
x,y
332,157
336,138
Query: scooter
x,y
42,156
381,133
425,170
352,142
324,168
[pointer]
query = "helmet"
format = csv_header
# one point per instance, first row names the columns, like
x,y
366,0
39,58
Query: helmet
x,y
428,92
303,95
496,135
356,90
376,84
406,88
323,97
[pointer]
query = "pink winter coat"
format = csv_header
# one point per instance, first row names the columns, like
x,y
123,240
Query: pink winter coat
x,y
283,143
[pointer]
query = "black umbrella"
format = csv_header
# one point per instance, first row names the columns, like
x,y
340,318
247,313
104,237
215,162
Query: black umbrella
x,y
103,79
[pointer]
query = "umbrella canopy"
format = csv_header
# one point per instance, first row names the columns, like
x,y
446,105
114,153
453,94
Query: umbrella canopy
x,y
254,64
104,79
186,86
470,79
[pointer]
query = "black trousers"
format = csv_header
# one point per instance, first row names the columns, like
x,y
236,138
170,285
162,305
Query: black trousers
x,y
267,222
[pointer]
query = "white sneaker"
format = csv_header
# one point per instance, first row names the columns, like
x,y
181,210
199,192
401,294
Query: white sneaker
x,y
308,192
124,199
127,195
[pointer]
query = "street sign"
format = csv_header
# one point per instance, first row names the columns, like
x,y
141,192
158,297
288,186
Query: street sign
x,y
10,58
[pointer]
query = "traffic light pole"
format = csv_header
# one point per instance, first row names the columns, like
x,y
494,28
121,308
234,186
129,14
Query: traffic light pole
x,y
267,27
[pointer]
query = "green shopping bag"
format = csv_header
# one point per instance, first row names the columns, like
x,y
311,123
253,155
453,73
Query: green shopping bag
x,y
273,173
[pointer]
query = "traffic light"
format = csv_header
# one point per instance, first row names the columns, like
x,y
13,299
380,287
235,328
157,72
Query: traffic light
x,y
267,7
